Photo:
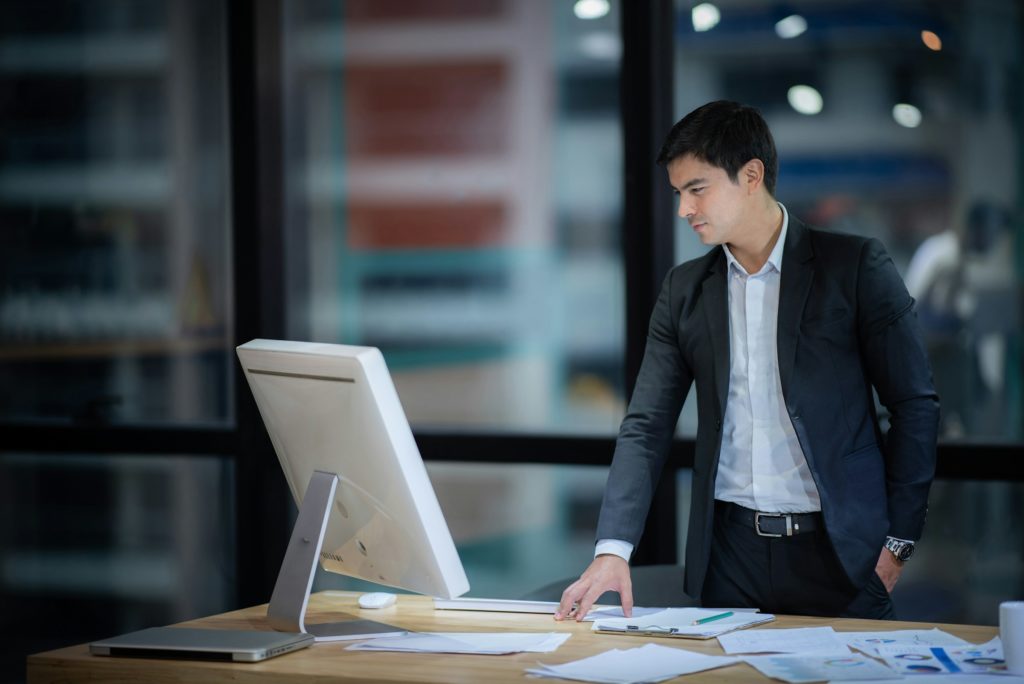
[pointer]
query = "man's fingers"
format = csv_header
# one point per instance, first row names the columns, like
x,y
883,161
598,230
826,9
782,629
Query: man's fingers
x,y
626,599
569,598
606,573
587,602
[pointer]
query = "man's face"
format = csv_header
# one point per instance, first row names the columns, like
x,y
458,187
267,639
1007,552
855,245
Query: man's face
x,y
711,202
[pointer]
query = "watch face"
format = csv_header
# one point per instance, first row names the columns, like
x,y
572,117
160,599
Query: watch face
x,y
901,550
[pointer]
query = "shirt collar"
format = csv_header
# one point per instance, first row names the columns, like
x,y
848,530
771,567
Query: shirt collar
x,y
775,258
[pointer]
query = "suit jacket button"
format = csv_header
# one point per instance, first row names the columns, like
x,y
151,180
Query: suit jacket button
x,y
718,425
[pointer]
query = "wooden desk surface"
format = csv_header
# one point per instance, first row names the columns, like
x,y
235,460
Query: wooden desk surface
x,y
331,662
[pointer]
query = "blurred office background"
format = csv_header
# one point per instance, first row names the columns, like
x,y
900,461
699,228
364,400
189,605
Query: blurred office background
x,y
469,185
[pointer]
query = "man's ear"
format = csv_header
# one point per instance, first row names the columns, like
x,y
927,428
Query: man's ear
x,y
752,174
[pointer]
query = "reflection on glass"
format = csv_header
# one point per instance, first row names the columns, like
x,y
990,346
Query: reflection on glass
x,y
114,254
916,146
453,198
92,546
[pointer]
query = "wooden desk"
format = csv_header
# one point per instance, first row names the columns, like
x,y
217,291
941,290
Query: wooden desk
x,y
331,662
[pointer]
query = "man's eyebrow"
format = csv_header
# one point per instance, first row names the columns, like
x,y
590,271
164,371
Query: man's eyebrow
x,y
692,182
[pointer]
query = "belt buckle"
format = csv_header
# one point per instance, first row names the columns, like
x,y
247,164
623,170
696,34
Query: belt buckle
x,y
757,524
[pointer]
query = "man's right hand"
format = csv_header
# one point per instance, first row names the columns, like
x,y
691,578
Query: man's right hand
x,y
607,573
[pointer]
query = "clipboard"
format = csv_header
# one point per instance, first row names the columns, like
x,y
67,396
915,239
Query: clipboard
x,y
678,623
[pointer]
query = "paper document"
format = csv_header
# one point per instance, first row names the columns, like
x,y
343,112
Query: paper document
x,y
648,663
816,640
820,668
868,642
909,660
616,612
680,622
479,643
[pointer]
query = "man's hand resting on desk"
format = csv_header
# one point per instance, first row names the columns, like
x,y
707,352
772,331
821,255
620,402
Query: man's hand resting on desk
x,y
606,573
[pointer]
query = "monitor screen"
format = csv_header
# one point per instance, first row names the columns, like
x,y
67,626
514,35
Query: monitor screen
x,y
334,409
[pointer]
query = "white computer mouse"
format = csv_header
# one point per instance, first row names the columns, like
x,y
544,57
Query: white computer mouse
x,y
377,599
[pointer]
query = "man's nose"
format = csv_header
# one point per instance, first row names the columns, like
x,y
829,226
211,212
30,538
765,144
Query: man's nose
x,y
685,208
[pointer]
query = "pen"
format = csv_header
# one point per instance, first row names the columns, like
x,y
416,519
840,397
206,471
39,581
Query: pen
x,y
712,618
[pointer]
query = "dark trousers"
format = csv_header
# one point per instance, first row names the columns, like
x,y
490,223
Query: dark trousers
x,y
798,575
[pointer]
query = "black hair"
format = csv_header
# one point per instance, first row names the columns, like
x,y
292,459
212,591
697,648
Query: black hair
x,y
727,135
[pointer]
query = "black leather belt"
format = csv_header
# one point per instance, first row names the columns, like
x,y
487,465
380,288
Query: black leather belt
x,y
771,524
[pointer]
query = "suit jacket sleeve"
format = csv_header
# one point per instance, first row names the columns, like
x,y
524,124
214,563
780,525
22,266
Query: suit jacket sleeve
x,y
646,433
897,366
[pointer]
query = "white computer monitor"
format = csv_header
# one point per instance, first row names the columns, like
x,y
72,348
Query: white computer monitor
x,y
353,466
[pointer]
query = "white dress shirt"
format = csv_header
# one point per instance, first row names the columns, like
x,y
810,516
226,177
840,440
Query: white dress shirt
x,y
761,465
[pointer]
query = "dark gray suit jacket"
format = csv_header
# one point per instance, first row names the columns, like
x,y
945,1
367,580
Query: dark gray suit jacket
x,y
846,324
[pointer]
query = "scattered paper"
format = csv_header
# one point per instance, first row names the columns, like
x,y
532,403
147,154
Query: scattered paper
x,y
819,668
811,640
678,622
478,643
648,663
868,642
915,660
616,612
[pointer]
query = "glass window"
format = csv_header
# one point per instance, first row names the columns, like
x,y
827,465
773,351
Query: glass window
x,y
901,121
115,296
970,559
517,528
92,546
453,181
898,120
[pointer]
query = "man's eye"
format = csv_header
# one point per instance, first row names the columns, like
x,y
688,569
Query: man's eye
x,y
697,191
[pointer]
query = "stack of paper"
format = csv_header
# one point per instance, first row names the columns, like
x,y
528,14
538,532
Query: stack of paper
x,y
477,643
649,663
692,623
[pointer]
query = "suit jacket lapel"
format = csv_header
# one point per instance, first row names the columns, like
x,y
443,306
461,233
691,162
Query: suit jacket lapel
x,y
797,277
716,312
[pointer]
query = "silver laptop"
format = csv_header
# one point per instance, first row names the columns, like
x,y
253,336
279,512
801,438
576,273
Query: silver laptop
x,y
202,644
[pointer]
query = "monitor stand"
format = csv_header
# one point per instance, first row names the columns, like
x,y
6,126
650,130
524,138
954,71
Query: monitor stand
x,y
287,609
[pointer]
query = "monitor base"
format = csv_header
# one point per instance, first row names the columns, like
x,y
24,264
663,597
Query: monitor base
x,y
287,609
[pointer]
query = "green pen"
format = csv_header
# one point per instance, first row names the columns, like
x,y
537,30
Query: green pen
x,y
712,618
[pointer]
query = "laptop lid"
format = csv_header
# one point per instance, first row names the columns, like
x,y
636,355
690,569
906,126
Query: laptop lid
x,y
201,644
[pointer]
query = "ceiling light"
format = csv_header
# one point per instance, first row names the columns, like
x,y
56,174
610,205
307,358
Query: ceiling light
x,y
790,27
705,16
907,115
805,99
591,9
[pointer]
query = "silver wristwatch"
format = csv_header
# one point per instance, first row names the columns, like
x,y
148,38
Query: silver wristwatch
x,y
900,548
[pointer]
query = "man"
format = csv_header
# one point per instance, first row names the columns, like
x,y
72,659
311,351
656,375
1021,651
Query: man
x,y
800,504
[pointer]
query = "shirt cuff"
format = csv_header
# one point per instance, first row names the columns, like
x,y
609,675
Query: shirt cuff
x,y
616,547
